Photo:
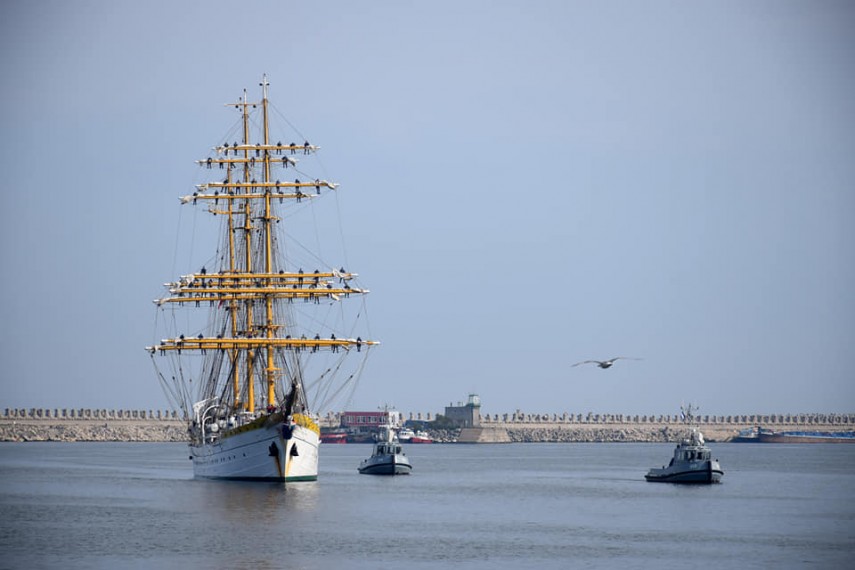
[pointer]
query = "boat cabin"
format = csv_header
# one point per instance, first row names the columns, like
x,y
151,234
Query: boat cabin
x,y
694,455
388,448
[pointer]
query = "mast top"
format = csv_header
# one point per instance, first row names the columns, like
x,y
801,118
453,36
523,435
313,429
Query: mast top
x,y
264,85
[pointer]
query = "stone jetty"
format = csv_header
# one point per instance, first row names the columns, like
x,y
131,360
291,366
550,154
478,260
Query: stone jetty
x,y
580,428
37,424
91,425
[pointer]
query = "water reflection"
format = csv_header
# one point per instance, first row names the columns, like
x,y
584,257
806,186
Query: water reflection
x,y
73,506
245,502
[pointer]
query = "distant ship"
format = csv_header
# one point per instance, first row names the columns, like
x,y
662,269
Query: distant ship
x,y
759,434
748,435
407,435
249,358
334,436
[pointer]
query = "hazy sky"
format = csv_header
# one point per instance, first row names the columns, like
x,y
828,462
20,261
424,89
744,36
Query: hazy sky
x,y
525,184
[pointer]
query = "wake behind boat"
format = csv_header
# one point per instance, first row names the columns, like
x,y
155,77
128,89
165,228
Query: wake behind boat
x,y
692,461
245,367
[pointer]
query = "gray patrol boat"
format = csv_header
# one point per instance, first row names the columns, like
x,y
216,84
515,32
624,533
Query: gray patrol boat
x,y
692,461
388,457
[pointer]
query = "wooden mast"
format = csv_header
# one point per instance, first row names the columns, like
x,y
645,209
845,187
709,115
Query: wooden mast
x,y
247,233
238,286
268,255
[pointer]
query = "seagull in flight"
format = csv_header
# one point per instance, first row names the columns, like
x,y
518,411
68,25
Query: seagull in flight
x,y
606,363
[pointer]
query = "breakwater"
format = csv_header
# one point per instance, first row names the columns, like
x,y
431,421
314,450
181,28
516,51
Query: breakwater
x,y
590,427
38,424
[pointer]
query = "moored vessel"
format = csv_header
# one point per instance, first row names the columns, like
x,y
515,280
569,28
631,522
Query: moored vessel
x,y
747,435
769,436
421,436
408,435
405,434
334,436
246,362
759,434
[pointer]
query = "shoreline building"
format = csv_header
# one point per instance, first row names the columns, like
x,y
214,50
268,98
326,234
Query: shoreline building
x,y
371,420
467,415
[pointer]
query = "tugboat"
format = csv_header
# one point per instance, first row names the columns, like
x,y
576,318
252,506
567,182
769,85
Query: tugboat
x,y
692,461
388,457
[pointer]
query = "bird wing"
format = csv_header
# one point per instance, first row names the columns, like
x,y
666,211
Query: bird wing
x,y
587,362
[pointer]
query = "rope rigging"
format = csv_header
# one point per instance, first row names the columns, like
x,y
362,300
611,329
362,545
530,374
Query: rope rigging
x,y
269,327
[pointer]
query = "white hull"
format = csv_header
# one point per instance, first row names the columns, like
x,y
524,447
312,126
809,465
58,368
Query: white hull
x,y
261,454
246,388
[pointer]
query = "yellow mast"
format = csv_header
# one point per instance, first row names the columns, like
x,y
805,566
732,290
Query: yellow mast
x,y
250,355
233,305
268,257
238,285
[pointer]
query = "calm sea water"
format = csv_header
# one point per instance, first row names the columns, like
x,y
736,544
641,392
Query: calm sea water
x,y
120,505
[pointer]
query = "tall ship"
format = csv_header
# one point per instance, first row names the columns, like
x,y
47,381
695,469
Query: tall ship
x,y
264,335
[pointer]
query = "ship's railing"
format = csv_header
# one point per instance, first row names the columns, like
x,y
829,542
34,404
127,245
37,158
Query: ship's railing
x,y
306,422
